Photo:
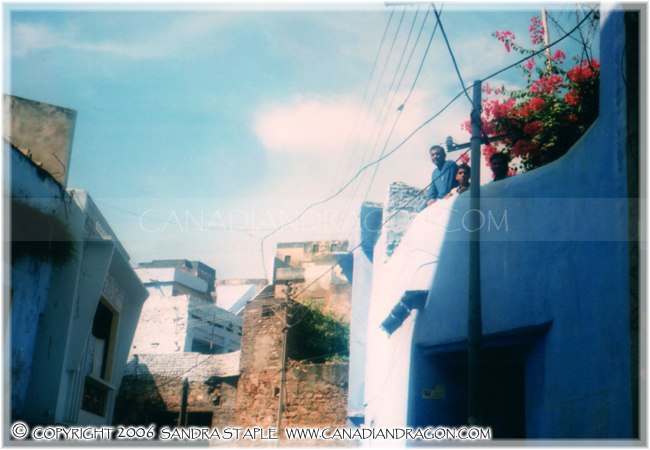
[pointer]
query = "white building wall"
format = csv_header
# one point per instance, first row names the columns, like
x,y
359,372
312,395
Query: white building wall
x,y
414,263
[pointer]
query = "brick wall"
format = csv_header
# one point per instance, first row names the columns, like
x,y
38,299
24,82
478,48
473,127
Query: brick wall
x,y
151,388
315,394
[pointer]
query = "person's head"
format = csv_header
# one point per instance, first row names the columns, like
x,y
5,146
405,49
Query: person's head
x,y
438,155
462,175
499,165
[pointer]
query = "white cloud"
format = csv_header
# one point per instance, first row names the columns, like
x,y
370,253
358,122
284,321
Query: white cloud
x,y
308,124
29,38
479,56
180,34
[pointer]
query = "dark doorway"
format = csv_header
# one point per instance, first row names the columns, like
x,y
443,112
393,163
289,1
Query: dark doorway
x,y
504,392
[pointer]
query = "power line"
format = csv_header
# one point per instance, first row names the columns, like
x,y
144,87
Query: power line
x,y
543,49
365,95
451,53
384,222
408,62
377,88
417,75
360,171
400,109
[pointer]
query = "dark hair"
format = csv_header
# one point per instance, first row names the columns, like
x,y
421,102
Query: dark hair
x,y
499,155
466,167
437,147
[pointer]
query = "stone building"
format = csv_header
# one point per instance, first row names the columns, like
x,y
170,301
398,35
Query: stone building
x,y
180,314
152,389
315,394
321,264
245,388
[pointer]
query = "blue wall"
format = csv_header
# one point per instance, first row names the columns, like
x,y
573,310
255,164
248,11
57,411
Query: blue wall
x,y
30,279
554,286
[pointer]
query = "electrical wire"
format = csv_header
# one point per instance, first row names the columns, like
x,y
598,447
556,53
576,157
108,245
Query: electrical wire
x,y
384,222
451,53
543,49
408,63
361,170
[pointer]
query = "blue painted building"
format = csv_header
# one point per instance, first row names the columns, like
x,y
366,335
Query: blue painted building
x,y
74,299
556,359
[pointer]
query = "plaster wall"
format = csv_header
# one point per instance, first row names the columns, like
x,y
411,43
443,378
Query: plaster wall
x,y
554,285
361,290
41,131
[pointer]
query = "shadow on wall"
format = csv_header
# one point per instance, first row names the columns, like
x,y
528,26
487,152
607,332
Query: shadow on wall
x,y
139,401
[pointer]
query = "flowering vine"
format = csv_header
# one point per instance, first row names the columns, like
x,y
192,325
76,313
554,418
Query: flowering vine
x,y
542,121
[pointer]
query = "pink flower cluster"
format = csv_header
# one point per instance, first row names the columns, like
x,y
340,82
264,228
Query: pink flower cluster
x,y
530,64
524,148
536,30
488,151
559,56
507,37
572,98
547,84
583,71
533,128
498,109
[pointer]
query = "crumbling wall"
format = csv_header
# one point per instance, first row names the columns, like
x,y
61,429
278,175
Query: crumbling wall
x,y
404,202
316,395
152,386
261,361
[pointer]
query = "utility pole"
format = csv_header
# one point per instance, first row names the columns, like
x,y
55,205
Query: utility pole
x,y
283,371
474,321
546,40
182,416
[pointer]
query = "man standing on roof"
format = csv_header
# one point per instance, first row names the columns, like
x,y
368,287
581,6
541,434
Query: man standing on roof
x,y
443,178
499,166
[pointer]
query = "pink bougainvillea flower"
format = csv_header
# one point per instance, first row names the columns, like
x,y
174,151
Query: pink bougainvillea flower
x,y
464,158
536,30
572,98
583,71
547,84
533,128
523,148
558,55
530,64
506,37
537,104
488,151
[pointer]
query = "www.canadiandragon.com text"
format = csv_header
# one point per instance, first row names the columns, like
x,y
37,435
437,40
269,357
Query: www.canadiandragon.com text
x,y
20,431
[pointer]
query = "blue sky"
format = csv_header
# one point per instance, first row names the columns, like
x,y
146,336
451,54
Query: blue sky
x,y
201,129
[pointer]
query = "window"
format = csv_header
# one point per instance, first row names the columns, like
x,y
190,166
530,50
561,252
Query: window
x,y
287,259
100,351
314,248
95,395
215,395
204,347
267,310
103,331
